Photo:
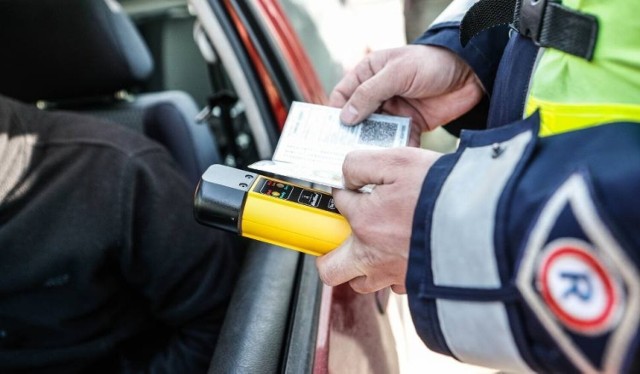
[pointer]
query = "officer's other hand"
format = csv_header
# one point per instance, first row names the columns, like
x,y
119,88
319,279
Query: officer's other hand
x,y
430,84
376,254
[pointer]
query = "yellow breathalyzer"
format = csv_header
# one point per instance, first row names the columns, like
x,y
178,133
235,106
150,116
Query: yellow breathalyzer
x,y
269,210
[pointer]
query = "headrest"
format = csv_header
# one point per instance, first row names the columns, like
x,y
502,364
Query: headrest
x,y
68,49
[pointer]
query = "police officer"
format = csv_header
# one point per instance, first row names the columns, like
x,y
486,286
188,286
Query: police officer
x,y
520,250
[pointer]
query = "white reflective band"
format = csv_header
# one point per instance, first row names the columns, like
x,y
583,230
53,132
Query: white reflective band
x,y
479,333
454,12
463,254
463,217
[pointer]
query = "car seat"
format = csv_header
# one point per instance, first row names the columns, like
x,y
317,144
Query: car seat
x,y
87,56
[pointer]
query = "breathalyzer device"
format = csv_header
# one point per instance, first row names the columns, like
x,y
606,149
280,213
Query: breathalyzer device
x,y
269,210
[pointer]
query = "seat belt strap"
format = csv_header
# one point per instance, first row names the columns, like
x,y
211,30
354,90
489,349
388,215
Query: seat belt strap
x,y
548,23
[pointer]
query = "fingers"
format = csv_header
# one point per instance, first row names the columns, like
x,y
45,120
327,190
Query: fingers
x,y
367,284
363,90
369,96
347,86
361,168
339,265
375,255
377,167
345,201
400,289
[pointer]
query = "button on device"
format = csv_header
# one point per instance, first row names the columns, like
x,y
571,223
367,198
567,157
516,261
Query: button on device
x,y
309,198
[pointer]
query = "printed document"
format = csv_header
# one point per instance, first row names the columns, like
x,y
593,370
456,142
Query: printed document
x,y
314,142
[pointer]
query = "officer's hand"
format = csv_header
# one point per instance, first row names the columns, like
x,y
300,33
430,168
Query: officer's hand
x,y
376,254
430,84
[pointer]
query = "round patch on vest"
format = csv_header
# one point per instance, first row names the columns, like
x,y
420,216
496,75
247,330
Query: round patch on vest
x,y
578,288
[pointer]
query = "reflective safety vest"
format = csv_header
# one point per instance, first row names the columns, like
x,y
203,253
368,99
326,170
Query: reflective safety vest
x,y
569,101
588,68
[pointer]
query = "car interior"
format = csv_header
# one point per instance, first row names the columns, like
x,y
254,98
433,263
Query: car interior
x,y
147,65
96,58
93,60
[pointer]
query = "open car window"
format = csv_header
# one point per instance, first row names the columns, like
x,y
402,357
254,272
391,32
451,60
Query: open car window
x,y
258,57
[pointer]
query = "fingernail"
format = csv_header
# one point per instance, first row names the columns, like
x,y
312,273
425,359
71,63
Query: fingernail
x,y
349,115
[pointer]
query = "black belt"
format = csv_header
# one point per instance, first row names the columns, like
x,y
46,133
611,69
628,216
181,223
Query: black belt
x,y
547,22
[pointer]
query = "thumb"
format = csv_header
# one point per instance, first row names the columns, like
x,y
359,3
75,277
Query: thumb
x,y
371,166
338,266
369,96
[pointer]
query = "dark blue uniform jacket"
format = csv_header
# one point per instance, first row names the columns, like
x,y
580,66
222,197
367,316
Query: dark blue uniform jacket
x,y
525,249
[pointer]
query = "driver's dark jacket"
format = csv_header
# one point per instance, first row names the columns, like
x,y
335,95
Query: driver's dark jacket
x,y
102,266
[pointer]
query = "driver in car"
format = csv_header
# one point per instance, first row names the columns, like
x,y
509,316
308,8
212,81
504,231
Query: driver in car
x,y
102,266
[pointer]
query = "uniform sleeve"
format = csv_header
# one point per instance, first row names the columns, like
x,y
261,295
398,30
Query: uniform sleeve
x,y
523,263
184,271
483,53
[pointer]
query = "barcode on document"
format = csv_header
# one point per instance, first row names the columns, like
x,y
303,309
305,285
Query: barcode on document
x,y
378,133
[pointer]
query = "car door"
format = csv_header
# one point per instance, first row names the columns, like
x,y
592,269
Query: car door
x,y
281,317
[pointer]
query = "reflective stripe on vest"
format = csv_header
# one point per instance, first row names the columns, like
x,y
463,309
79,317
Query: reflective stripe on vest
x,y
573,93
